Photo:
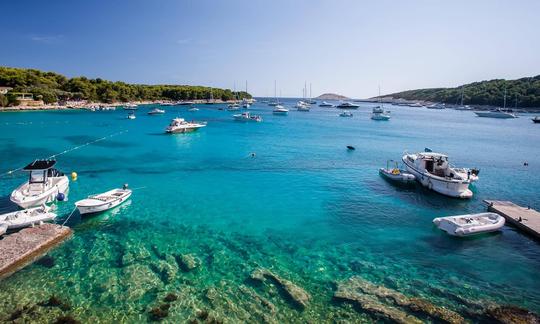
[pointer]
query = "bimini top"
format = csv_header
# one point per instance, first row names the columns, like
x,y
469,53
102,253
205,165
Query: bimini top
x,y
432,155
40,165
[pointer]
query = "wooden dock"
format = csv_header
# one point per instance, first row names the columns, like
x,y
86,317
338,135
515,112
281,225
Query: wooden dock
x,y
25,246
523,218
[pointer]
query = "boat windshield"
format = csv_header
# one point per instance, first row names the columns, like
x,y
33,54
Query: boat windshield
x,y
37,176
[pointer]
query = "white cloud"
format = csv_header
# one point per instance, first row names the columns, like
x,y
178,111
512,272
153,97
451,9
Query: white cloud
x,y
47,39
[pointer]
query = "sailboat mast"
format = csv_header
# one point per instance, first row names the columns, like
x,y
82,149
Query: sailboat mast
x,y
504,107
310,96
275,90
462,95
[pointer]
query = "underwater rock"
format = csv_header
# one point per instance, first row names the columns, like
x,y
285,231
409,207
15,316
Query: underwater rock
x,y
139,279
46,261
358,286
296,293
170,297
511,315
188,262
66,320
54,301
166,270
201,314
160,312
254,296
134,254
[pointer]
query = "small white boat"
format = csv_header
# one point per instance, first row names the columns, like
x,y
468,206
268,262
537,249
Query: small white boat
x,y
130,106
44,185
167,104
193,109
325,104
246,117
536,120
436,106
280,110
179,125
156,111
346,114
379,113
131,116
497,113
27,217
103,201
233,106
395,173
347,105
303,107
470,224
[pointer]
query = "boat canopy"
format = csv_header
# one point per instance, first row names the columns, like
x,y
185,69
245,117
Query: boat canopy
x,y
40,165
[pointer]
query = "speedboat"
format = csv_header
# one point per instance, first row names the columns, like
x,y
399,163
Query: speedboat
x,y
179,125
536,120
27,217
379,113
395,173
280,110
130,106
497,113
347,105
131,116
233,106
103,201
45,184
302,106
192,109
346,114
157,111
470,224
166,104
433,171
246,117
325,104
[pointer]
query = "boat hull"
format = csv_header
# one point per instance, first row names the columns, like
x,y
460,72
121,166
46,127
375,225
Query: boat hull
x,y
61,185
403,177
489,114
469,225
27,217
99,208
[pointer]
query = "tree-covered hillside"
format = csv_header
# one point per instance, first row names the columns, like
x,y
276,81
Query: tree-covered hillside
x,y
52,87
527,91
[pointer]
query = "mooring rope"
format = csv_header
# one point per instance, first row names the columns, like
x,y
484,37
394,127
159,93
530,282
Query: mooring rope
x,y
65,221
70,150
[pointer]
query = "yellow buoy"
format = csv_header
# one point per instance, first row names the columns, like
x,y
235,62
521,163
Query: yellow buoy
x,y
73,175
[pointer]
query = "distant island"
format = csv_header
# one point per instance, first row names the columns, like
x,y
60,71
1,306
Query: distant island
x,y
34,87
523,93
331,96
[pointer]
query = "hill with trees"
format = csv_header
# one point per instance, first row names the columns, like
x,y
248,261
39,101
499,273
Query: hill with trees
x,y
52,87
526,90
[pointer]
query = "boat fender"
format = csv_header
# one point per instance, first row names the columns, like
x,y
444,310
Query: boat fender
x,y
73,175
60,196
395,171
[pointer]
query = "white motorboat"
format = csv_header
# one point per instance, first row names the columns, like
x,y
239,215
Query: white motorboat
x,y
416,104
44,185
325,104
379,113
347,105
346,114
302,106
433,171
130,106
103,201
536,120
395,173
179,125
27,217
463,108
245,104
471,224
233,106
167,104
436,106
156,111
131,116
185,103
497,113
280,110
247,117
193,109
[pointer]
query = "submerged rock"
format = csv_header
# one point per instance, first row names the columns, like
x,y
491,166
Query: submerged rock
x,y
134,254
166,270
54,301
66,320
160,312
46,261
170,297
512,315
138,280
188,262
296,293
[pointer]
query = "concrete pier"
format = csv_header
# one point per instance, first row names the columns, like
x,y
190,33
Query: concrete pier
x,y
22,248
523,218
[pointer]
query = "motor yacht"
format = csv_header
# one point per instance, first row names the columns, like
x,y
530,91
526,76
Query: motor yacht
x,y
156,111
247,117
347,105
280,110
497,113
379,113
233,106
325,104
131,106
179,125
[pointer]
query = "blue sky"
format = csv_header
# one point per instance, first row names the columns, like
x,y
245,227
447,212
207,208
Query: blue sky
x,y
343,46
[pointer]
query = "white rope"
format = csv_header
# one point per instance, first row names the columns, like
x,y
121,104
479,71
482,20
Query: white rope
x,y
64,223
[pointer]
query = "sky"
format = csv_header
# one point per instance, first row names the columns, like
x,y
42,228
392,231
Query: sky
x,y
350,47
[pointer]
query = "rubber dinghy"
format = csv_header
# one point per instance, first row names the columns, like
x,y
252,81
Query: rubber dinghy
x,y
470,224
103,201
27,217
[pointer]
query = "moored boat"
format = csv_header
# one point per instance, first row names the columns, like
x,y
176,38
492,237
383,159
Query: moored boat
x,y
246,117
395,173
470,224
27,217
347,105
156,111
103,201
130,106
131,115
3,228
44,185
280,110
433,171
179,125
536,120
346,114
325,104
497,113
233,106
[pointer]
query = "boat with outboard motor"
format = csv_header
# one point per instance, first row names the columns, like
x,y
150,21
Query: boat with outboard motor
x,y
103,201
131,115
395,173
45,184
28,217
470,224
233,106
247,117
131,106
433,171
156,111
180,125
347,105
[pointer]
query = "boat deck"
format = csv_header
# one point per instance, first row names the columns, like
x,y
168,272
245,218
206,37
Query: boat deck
x,y
25,246
523,218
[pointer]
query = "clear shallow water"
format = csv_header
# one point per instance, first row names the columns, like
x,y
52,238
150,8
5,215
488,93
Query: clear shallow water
x,y
304,207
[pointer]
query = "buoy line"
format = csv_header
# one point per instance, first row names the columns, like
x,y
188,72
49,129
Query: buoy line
x,y
70,150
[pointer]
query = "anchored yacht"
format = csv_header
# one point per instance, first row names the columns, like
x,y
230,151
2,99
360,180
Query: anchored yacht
x,y
179,125
347,105
246,117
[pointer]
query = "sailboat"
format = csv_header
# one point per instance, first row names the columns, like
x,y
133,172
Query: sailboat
x,y
275,102
461,106
234,106
303,104
310,100
245,101
278,108
378,112
497,113
211,101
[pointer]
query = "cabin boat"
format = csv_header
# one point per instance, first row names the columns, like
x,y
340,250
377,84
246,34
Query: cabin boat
x,y
536,120
157,111
44,185
27,217
280,110
131,115
346,114
497,113
379,113
395,173
470,224
247,117
233,106
347,105
130,106
103,201
179,125
433,171
325,104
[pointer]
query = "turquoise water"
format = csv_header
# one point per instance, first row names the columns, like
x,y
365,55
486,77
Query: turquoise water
x,y
304,207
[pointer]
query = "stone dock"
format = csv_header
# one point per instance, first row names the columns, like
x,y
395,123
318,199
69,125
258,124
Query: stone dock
x,y
525,219
22,248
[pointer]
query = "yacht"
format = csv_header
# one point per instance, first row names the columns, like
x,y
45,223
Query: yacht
x,y
131,106
302,106
179,125
156,111
379,113
280,110
536,120
433,171
325,104
247,117
166,104
436,106
466,107
45,184
347,105
497,113
245,102
233,106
